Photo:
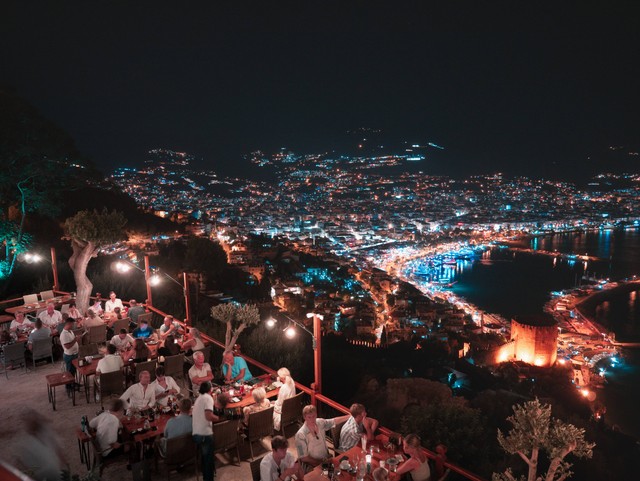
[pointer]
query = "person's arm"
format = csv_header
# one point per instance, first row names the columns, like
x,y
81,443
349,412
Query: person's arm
x,y
173,386
370,426
303,451
408,466
295,469
227,374
340,419
209,416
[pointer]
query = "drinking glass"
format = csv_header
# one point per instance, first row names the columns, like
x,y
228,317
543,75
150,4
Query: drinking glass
x,y
363,440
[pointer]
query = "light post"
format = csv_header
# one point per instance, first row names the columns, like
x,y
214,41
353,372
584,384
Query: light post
x,y
316,344
29,257
155,280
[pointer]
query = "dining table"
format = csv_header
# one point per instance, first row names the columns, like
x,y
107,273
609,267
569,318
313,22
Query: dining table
x,y
134,429
240,393
345,465
34,307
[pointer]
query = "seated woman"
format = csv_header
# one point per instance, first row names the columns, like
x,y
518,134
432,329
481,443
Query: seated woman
x,y
170,347
193,342
139,352
287,390
261,403
418,463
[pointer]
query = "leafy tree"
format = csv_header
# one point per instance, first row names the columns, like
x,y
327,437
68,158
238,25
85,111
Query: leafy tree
x,y
237,318
88,232
204,255
534,430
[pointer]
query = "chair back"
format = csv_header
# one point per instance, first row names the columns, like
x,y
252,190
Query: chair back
x,y
335,437
291,410
42,348
226,435
147,316
180,450
111,383
13,353
145,366
255,469
88,350
30,299
120,324
260,424
97,334
173,366
64,308
46,295
206,351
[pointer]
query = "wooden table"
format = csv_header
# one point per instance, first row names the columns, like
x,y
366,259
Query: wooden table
x,y
84,440
131,425
60,379
28,308
246,399
85,371
355,454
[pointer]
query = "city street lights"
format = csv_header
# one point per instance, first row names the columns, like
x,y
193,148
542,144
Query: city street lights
x,y
29,258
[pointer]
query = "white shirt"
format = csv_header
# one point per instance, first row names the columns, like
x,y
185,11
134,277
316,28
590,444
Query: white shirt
x,y
202,372
109,363
106,426
136,397
308,444
66,337
269,468
25,325
201,425
122,344
52,320
171,384
110,305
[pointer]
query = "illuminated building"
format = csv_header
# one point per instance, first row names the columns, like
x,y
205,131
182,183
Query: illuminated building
x,y
535,339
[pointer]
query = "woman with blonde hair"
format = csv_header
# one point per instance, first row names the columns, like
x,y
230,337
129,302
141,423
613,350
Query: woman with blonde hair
x,y
261,403
194,342
418,463
287,390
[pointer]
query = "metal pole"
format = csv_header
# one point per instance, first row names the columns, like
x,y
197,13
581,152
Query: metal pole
x,y
147,276
317,353
187,304
54,267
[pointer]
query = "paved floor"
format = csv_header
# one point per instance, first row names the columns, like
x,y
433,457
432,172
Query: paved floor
x,y
29,390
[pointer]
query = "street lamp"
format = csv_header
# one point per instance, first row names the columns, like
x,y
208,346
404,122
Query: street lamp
x,y
35,257
290,332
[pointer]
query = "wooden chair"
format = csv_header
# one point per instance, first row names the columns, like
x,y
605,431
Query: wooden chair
x,y
260,424
207,353
14,354
88,350
147,316
180,450
30,299
98,461
255,469
335,438
46,295
291,411
108,384
120,324
226,437
138,367
97,334
174,366
41,349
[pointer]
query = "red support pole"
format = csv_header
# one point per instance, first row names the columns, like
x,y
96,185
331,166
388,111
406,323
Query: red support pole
x,y
147,276
187,304
317,354
54,267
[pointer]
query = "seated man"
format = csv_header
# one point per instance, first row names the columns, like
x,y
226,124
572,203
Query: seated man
x,y
234,368
134,311
141,395
177,426
40,332
164,386
143,331
310,438
357,426
170,327
20,324
112,303
220,402
111,362
50,317
279,464
200,371
107,425
122,341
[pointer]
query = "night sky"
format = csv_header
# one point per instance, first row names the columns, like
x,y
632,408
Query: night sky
x,y
535,89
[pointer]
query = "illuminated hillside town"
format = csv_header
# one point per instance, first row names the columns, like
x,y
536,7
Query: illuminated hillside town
x,y
402,239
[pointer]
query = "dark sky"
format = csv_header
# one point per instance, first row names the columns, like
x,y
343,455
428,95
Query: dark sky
x,y
517,86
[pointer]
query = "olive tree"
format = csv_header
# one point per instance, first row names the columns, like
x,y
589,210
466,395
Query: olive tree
x,y
535,431
237,318
88,232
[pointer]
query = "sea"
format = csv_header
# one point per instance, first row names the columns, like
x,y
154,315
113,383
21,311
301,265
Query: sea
x,y
511,283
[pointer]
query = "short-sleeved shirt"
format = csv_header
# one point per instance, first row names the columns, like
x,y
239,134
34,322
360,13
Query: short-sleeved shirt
x,y
50,320
21,326
142,333
134,312
175,427
174,324
201,425
106,426
122,344
269,468
43,333
350,434
238,365
171,384
202,372
66,337
109,363
308,444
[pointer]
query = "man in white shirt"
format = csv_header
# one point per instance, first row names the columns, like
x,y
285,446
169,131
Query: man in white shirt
x,y
140,395
200,371
122,341
110,363
20,324
113,302
107,425
164,387
203,419
50,317
279,464
69,345
358,425
310,438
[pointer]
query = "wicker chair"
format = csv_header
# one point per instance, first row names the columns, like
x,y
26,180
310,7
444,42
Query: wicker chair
x,y
260,424
226,436
14,354
138,367
97,335
108,384
180,451
174,366
255,469
41,349
120,324
88,350
291,411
